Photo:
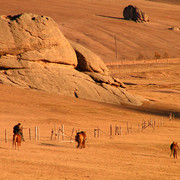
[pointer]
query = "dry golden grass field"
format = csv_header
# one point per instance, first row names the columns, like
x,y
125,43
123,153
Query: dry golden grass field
x,y
142,154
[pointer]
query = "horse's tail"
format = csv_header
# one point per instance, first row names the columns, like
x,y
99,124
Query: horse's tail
x,y
77,137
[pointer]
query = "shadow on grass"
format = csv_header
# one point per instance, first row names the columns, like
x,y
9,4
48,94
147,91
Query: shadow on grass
x,y
49,144
110,17
3,148
154,107
149,155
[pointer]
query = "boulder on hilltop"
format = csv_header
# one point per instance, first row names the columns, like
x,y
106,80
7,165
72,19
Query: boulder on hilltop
x,y
134,13
35,54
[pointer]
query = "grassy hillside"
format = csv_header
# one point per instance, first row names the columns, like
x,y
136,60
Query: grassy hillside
x,y
175,2
142,154
95,24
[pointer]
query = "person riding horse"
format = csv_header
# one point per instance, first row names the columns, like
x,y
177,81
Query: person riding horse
x,y
17,129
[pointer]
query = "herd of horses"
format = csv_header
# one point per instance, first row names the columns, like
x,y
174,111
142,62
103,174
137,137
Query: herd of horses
x,y
80,138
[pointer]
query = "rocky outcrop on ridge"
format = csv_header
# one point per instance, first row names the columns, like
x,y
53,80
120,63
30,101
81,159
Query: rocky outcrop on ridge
x,y
134,13
35,54
88,61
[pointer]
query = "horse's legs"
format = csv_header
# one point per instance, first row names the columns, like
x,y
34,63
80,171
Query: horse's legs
x,y
78,144
171,152
15,144
83,143
18,145
13,141
175,154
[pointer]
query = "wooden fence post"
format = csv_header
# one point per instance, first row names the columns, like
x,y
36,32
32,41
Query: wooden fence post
x,y
98,132
72,134
5,136
59,132
118,130
127,128
170,116
35,132
52,134
94,133
55,128
116,52
115,129
30,134
62,128
38,133
110,130
162,122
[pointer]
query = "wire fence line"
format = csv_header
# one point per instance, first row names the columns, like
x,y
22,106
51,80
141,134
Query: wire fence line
x,y
114,130
144,61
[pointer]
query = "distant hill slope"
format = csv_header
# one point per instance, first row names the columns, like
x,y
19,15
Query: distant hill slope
x,y
176,2
96,25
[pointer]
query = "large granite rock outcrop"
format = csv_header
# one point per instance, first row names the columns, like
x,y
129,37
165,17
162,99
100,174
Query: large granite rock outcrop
x,y
34,38
35,54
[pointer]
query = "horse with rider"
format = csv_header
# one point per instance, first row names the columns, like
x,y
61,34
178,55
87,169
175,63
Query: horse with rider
x,y
17,135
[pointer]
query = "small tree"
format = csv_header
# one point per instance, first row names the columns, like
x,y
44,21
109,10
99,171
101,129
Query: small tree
x,y
165,55
140,57
157,55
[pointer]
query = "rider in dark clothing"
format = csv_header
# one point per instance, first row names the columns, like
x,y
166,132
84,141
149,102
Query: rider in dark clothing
x,y
17,129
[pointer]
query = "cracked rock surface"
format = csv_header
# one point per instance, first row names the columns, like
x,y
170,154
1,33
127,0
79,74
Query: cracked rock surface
x,y
33,37
35,54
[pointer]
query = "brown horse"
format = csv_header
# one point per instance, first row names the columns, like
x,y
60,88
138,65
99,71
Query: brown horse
x,y
174,148
80,138
17,140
